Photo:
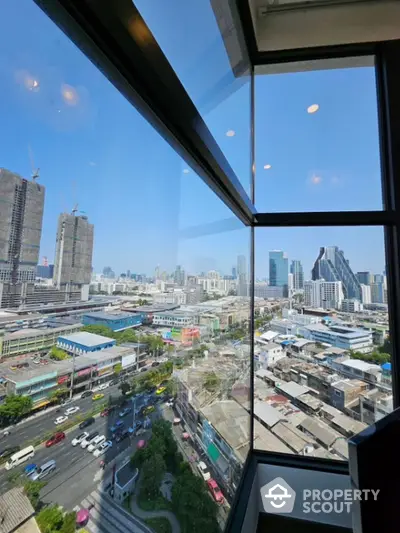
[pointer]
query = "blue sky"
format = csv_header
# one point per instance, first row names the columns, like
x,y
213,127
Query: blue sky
x,y
94,149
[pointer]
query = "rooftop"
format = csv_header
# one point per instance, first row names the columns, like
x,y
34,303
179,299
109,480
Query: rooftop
x,y
360,365
15,510
267,414
292,436
87,339
154,308
292,389
320,431
108,316
348,384
338,331
125,474
38,332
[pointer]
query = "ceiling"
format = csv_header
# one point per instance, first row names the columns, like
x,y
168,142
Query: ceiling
x,y
290,24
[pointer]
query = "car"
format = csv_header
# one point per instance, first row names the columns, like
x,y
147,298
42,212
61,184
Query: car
x,y
125,412
215,491
155,363
97,396
140,431
104,386
96,443
122,435
60,420
72,410
106,411
149,409
29,469
170,403
102,448
86,423
9,451
55,439
202,468
85,443
78,439
36,362
118,425
143,369
44,470
113,382
86,393
160,390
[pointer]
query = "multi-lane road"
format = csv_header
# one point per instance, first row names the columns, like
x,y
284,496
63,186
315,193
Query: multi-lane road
x,y
77,472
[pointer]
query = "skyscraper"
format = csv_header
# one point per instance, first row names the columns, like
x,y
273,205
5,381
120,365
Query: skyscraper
x,y
365,278
296,268
331,265
278,270
21,217
241,272
325,294
179,276
74,250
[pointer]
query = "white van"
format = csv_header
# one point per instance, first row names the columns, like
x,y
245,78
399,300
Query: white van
x,y
41,471
96,443
20,457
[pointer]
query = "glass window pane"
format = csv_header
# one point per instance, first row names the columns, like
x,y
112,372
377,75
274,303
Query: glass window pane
x,y
317,139
322,343
128,282
201,41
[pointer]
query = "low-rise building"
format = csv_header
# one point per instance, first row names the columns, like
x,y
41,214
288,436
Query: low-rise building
x,y
374,405
31,340
345,393
269,354
351,305
125,481
175,319
340,336
115,321
355,368
82,343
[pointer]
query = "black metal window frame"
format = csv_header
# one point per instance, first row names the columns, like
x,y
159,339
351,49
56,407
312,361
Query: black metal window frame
x,y
136,65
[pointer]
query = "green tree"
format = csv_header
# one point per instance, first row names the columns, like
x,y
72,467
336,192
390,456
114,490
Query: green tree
x,y
211,381
59,394
386,346
142,302
14,407
193,507
69,523
57,354
32,490
172,387
124,387
100,330
50,519
153,471
126,336
118,369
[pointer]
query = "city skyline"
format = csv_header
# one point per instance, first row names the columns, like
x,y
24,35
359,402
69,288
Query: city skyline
x,y
93,148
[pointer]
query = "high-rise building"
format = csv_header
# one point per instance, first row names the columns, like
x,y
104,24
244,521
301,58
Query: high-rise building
x,y
366,294
241,271
108,272
234,273
331,265
157,272
179,276
74,250
296,268
279,270
325,294
21,215
377,293
365,278
45,271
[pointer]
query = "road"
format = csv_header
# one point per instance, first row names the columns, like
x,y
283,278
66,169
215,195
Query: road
x,y
42,423
78,472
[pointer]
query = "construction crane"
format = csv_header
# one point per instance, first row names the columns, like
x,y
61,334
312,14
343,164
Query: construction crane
x,y
35,171
75,210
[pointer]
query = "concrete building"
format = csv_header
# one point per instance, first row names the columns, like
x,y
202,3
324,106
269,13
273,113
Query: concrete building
x,y
355,368
45,271
82,343
74,250
366,297
21,218
175,319
324,294
365,278
263,290
125,482
341,337
115,321
374,405
269,355
346,392
351,306
31,340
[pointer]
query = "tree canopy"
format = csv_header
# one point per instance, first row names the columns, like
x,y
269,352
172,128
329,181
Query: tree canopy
x,y
50,519
32,490
14,407
57,354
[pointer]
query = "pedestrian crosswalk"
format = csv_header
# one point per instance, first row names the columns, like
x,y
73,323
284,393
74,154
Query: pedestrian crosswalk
x,y
106,516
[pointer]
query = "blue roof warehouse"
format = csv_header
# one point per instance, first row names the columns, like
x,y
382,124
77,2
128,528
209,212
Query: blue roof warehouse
x,y
81,343
114,321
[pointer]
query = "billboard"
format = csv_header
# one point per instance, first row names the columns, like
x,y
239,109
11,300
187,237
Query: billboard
x,y
62,379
